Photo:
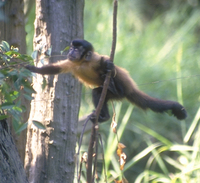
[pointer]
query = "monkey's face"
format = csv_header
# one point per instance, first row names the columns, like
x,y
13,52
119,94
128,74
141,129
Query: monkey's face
x,y
76,53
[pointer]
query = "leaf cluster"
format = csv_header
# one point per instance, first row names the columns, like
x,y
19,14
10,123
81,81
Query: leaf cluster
x,y
15,84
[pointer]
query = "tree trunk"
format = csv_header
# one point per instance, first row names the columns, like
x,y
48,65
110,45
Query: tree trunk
x,y
12,30
11,168
50,153
12,27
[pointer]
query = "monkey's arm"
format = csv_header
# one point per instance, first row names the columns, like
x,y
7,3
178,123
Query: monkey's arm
x,y
51,69
48,69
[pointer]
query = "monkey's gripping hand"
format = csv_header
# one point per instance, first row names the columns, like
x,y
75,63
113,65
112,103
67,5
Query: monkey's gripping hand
x,y
113,87
109,65
106,66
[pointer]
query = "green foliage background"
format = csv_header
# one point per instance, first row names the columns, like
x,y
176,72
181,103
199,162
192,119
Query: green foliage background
x,y
15,85
162,57
159,45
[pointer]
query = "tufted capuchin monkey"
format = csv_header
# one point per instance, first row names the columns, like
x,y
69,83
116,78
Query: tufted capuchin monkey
x,y
91,68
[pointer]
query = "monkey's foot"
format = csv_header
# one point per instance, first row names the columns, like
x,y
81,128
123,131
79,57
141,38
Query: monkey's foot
x,y
101,118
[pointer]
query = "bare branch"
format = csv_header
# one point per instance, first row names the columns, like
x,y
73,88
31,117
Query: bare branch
x,y
94,133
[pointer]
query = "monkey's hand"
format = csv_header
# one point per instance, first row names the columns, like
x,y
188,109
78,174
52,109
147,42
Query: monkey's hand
x,y
109,65
102,117
106,66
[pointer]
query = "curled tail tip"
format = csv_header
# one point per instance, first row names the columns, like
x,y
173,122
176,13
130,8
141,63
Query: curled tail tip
x,y
180,113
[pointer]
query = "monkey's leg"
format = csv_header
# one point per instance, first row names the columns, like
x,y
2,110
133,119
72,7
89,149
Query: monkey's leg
x,y
104,114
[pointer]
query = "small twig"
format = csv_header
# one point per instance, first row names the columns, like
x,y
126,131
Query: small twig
x,y
80,142
13,65
114,30
90,154
83,160
79,173
104,165
102,98
96,155
82,132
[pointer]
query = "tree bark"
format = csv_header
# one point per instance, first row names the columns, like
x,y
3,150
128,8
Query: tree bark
x,y
12,30
50,153
12,27
11,168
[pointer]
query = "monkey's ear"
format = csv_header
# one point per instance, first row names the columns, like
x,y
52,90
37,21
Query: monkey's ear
x,y
88,56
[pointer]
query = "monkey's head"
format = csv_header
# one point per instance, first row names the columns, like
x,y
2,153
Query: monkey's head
x,y
80,50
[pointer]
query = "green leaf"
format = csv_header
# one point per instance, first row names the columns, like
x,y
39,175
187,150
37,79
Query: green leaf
x,y
16,116
3,117
28,89
34,75
34,54
2,76
44,83
15,49
48,52
42,61
6,46
25,72
10,52
17,83
17,109
15,122
5,58
8,98
66,48
2,48
1,83
13,73
25,57
14,94
22,127
39,125
7,105
28,97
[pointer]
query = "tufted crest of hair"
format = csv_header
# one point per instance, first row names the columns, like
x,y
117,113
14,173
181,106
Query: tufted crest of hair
x,y
85,44
80,42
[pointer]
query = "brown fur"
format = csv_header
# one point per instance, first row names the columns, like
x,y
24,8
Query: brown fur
x,y
87,72
90,68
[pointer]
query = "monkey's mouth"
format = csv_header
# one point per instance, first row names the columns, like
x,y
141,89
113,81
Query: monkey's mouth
x,y
71,58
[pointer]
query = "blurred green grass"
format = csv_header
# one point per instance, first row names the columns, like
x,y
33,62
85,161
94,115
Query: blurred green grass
x,y
162,56
161,52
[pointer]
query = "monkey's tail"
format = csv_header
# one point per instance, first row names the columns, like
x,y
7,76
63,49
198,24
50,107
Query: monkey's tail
x,y
144,101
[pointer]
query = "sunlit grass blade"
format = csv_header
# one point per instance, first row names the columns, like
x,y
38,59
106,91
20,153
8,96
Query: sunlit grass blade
x,y
173,162
153,134
156,154
192,127
151,176
178,35
179,84
112,141
141,155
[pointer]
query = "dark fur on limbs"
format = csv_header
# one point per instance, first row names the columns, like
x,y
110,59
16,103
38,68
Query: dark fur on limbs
x,y
91,68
